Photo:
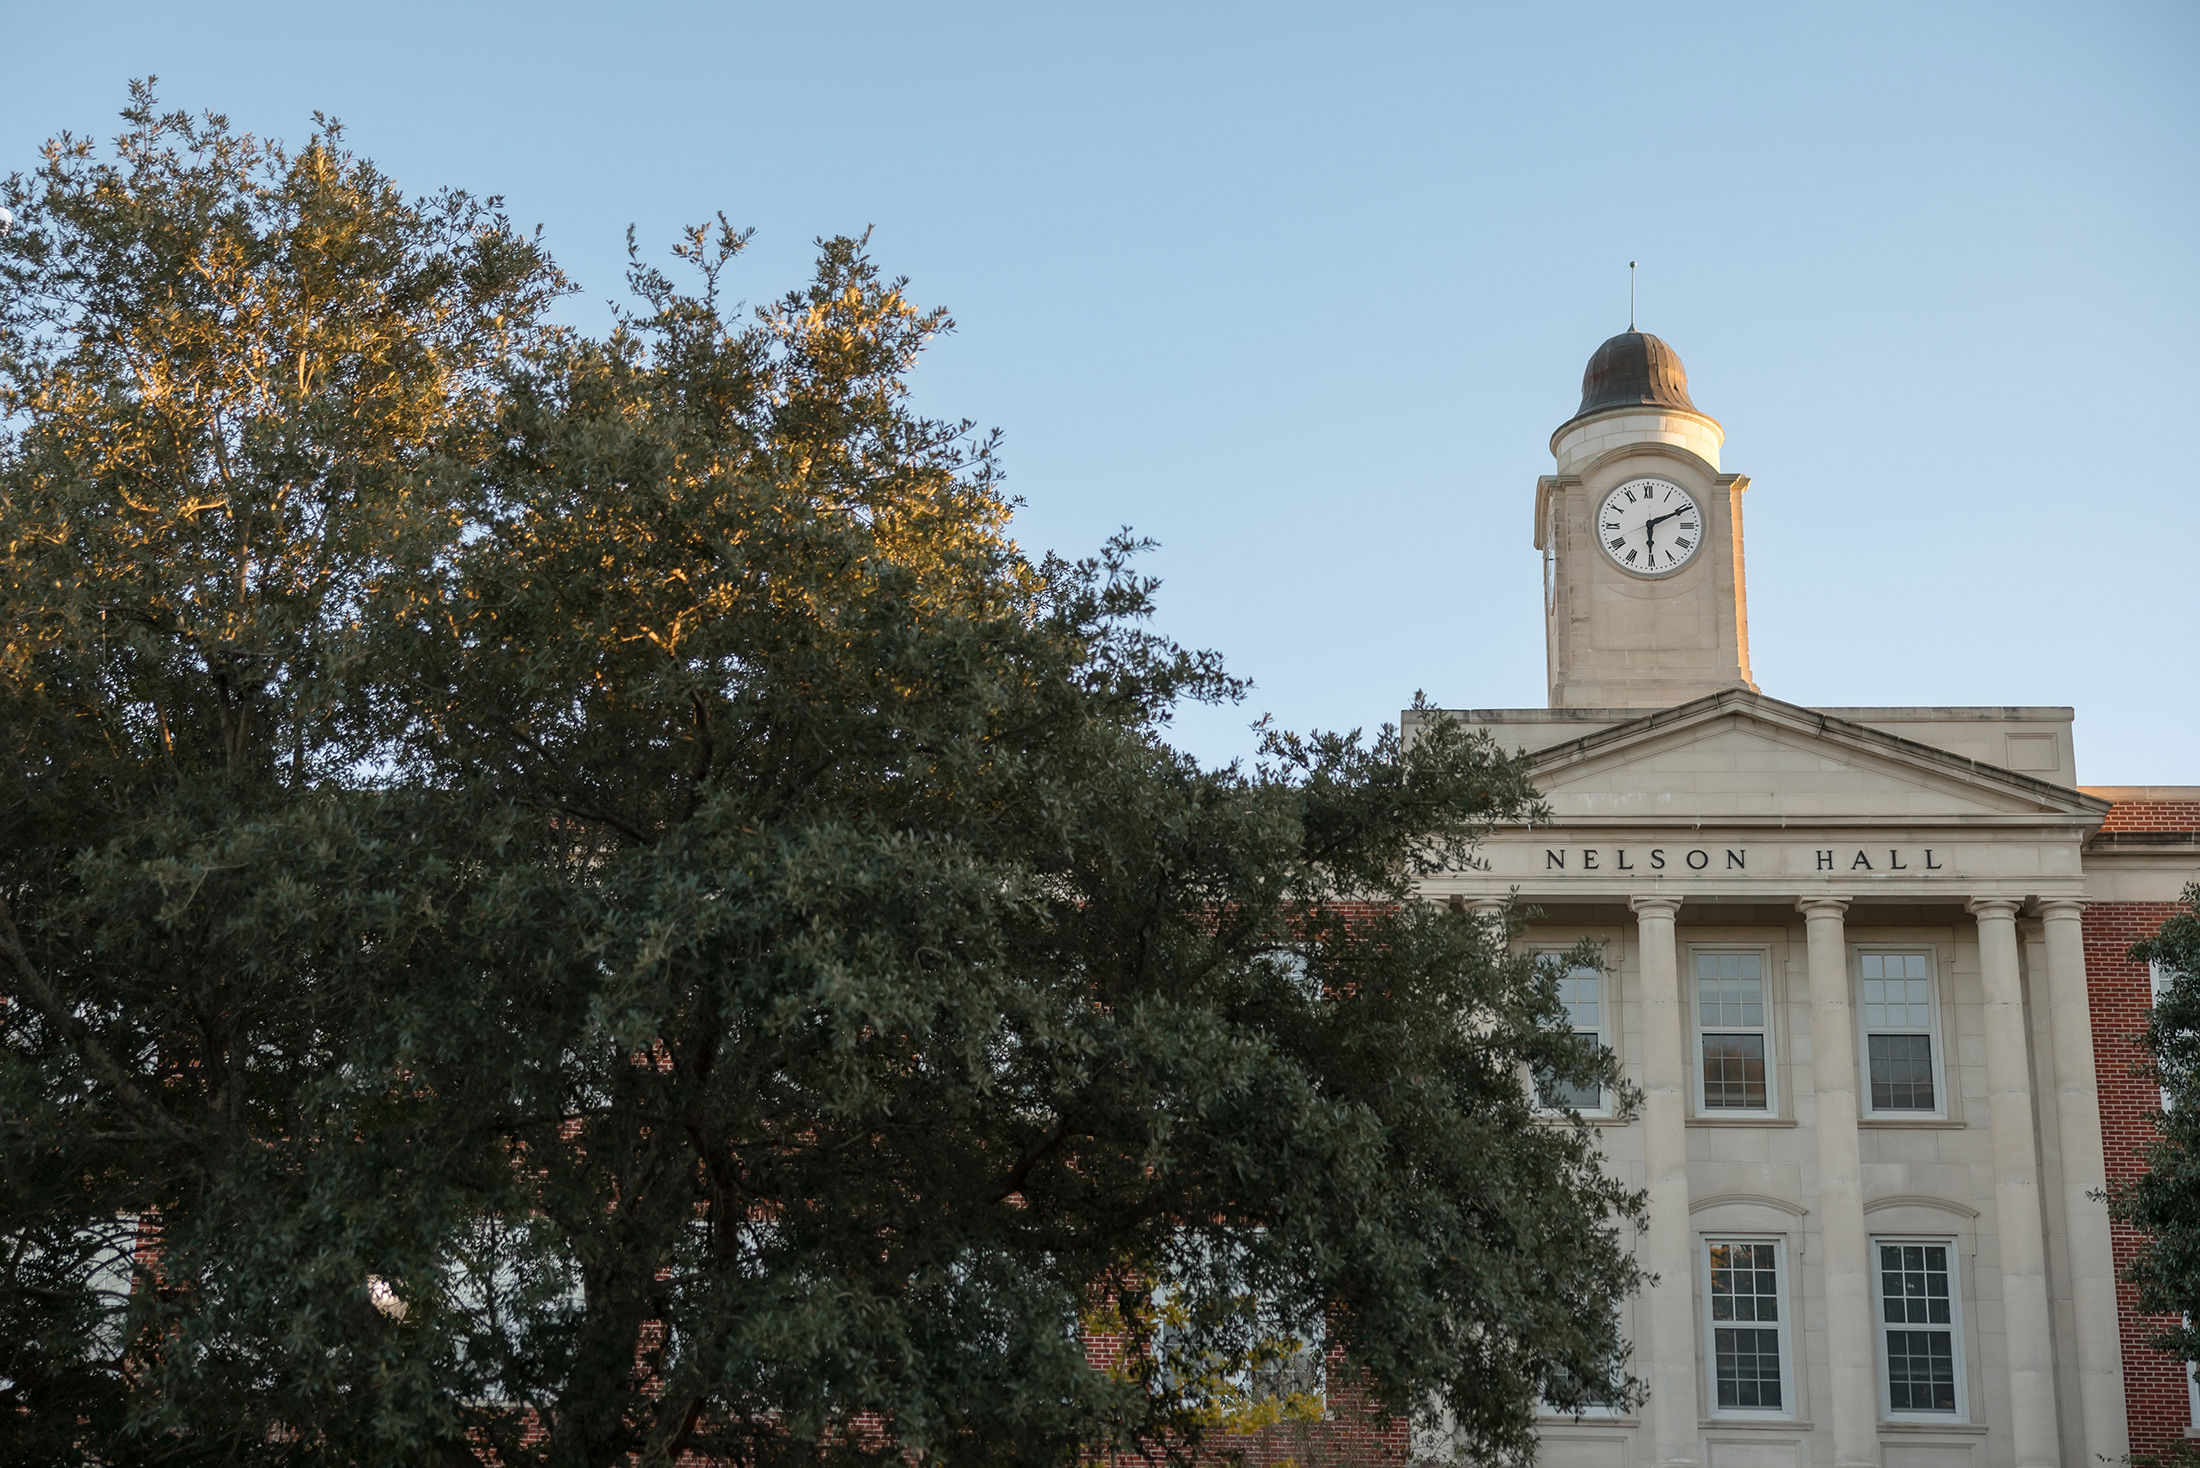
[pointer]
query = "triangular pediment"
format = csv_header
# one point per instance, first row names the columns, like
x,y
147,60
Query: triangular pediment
x,y
1742,755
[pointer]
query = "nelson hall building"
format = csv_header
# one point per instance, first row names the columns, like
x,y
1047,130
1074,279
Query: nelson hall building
x,y
1867,966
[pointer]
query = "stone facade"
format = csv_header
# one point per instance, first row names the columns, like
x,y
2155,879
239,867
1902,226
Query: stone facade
x,y
1865,966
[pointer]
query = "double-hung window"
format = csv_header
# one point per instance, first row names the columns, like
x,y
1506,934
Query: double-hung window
x,y
1581,990
1734,1028
1920,1330
2159,978
1222,1345
1748,1324
1901,1037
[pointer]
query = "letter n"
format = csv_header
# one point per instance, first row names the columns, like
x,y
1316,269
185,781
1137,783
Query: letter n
x,y
1553,860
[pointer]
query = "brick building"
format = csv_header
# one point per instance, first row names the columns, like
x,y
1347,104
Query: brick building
x,y
1867,966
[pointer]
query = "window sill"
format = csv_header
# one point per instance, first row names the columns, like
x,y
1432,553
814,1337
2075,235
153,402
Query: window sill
x,y
1754,1424
1586,1419
1755,1119
1958,1429
1911,1123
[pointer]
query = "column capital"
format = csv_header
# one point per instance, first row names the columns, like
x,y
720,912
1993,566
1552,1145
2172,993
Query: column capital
x,y
1655,907
1822,907
1984,908
2062,907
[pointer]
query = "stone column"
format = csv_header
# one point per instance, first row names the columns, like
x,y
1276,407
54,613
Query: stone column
x,y
1675,1401
1847,1262
2028,1322
2084,1173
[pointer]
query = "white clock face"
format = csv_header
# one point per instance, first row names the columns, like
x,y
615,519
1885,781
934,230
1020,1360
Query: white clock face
x,y
1651,527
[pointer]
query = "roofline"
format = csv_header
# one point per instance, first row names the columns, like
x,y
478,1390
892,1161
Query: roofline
x,y
2073,802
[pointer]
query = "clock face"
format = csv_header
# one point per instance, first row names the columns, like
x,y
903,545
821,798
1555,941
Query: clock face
x,y
1651,527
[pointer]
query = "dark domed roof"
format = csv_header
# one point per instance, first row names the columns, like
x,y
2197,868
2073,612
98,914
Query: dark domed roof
x,y
1634,367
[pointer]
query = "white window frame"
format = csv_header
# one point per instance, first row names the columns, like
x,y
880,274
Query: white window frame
x,y
1608,1412
1933,1029
1880,1327
1785,1412
1603,1034
1769,1029
2159,977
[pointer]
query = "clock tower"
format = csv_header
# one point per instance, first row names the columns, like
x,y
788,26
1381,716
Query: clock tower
x,y
1644,601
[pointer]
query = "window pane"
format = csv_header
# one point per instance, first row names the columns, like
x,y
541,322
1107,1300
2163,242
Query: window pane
x,y
1749,1367
1557,1094
1921,1371
1578,991
1901,1072
1913,1284
1744,1282
1730,1003
1734,1071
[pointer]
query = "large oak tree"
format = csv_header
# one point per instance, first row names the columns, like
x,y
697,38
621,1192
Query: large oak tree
x,y
581,896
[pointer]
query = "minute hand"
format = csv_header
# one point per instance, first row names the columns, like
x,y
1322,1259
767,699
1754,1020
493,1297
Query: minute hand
x,y
1659,519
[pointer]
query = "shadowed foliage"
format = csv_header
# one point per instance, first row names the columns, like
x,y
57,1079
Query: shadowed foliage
x,y
2163,1202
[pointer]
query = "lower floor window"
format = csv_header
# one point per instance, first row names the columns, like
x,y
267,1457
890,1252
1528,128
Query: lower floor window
x,y
1918,1320
1748,1326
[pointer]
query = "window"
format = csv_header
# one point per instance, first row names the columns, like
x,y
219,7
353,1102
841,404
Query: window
x,y
2159,977
1220,1343
1921,1343
1598,1401
1735,1034
1581,990
1748,1324
1901,1049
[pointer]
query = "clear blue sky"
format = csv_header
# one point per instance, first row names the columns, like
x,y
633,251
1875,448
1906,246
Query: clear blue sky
x,y
1302,291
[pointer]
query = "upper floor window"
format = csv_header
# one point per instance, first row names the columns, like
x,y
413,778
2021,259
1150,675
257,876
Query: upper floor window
x,y
1581,990
1734,1033
1901,1034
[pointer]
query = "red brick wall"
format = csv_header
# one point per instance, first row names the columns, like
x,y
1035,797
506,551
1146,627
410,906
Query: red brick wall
x,y
2153,815
2155,1398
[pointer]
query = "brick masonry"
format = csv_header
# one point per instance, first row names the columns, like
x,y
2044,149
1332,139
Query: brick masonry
x,y
2153,815
2156,1398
